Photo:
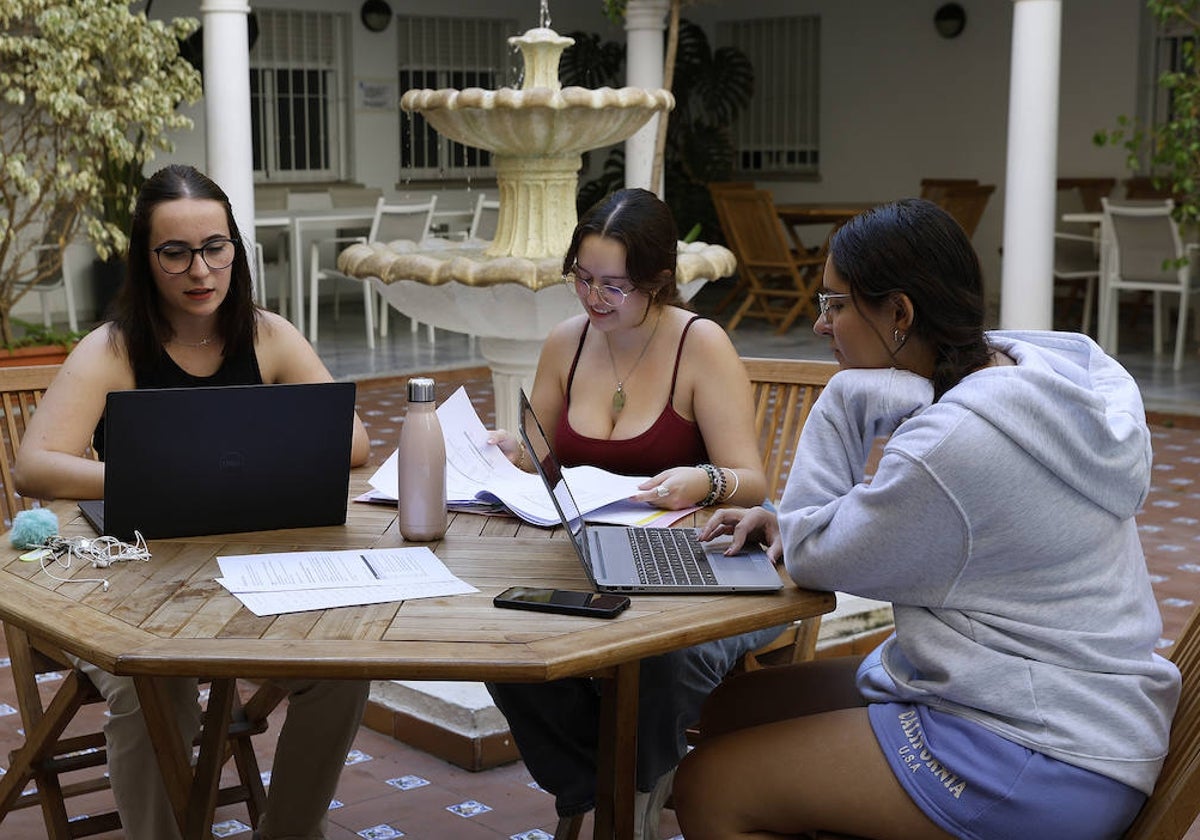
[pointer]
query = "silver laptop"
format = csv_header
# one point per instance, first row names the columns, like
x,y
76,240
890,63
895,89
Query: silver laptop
x,y
182,462
620,558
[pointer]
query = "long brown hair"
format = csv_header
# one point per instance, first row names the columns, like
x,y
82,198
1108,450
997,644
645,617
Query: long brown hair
x,y
137,311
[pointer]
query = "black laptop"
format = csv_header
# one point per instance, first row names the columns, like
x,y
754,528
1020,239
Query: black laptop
x,y
183,462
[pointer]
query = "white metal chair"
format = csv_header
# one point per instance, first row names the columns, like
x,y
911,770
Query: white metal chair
x,y
391,222
48,275
1146,254
1077,262
484,219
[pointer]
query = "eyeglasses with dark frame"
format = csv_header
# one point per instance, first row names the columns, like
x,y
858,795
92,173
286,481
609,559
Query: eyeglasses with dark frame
x,y
174,258
823,304
608,294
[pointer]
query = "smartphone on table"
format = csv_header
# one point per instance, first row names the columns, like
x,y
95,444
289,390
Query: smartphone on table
x,y
571,602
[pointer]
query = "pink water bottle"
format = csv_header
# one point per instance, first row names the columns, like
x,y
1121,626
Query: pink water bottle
x,y
422,467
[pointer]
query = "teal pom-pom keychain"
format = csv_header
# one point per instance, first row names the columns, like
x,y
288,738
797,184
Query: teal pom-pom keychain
x,y
31,528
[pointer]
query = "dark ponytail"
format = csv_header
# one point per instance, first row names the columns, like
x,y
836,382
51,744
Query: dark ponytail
x,y
915,247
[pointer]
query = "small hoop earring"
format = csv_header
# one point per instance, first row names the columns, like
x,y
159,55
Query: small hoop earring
x,y
899,338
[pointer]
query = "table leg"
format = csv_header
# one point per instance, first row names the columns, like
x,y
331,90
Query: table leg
x,y
616,772
193,794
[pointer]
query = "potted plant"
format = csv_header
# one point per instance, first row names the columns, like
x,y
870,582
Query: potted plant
x,y
695,143
88,88
38,345
1170,148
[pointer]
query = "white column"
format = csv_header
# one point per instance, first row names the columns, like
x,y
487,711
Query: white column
x,y
227,108
1027,282
645,25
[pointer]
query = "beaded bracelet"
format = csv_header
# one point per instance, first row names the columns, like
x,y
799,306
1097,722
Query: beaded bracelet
x,y
716,484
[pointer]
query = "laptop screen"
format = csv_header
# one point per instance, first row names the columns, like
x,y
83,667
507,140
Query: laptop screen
x,y
551,472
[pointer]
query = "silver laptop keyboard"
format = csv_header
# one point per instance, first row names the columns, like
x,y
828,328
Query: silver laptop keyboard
x,y
672,556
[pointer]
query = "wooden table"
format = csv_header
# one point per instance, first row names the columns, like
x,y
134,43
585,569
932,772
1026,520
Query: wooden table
x,y
169,617
818,213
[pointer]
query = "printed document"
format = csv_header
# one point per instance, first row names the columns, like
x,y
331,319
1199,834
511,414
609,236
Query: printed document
x,y
271,584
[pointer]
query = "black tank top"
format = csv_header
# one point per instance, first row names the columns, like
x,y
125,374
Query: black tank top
x,y
165,373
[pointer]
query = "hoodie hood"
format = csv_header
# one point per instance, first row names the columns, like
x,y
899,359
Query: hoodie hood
x,y
1071,407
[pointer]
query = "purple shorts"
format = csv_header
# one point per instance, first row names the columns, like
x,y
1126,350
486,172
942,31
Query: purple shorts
x,y
975,784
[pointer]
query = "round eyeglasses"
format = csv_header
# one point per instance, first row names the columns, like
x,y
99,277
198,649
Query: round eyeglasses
x,y
177,259
608,295
825,304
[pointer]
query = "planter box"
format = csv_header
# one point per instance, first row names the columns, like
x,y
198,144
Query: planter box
x,y
46,354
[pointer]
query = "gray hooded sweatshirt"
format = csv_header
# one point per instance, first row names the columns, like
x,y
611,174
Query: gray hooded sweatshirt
x,y
1000,524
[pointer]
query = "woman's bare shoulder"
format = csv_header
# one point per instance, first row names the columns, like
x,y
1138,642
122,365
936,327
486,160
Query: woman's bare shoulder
x,y
100,359
274,325
565,334
707,338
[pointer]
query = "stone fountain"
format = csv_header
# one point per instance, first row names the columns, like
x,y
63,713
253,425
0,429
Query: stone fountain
x,y
509,292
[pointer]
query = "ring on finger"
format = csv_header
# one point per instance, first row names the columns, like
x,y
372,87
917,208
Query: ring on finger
x,y
662,491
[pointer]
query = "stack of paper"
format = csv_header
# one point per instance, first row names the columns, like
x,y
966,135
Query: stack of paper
x,y
270,584
479,475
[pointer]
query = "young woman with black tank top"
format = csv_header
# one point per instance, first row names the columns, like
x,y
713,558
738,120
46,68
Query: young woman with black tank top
x,y
638,385
184,317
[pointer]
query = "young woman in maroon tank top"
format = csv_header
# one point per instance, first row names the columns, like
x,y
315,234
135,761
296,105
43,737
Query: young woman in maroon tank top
x,y
637,384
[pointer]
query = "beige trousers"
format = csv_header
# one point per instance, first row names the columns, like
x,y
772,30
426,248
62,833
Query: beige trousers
x,y
322,720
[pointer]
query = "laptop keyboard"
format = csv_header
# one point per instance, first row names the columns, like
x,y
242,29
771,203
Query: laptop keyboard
x,y
670,556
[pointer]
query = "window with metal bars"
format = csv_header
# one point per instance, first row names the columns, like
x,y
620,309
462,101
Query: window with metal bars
x,y
459,53
779,133
1174,52
298,108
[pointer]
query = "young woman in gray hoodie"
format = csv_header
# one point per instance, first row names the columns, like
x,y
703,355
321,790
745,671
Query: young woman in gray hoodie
x,y
1020,695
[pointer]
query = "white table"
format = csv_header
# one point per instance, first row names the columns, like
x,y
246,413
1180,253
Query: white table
x,y
295,221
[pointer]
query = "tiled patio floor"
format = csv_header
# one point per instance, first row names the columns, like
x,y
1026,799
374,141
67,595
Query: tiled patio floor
x,y
392,790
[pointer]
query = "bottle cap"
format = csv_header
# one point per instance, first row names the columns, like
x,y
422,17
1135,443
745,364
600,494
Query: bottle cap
x,y
420,389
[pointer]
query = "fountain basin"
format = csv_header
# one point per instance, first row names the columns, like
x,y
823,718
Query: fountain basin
x,y
540,121
509,304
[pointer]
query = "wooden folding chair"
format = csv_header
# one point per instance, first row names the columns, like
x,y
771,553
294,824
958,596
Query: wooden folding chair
x,y
966,203
739,286
55,760
771,269
784,393
933,189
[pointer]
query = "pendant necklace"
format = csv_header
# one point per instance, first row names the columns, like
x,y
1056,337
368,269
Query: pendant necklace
x,y
618,397
204,342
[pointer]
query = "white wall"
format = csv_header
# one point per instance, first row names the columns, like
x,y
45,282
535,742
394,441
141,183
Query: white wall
x,y
898,103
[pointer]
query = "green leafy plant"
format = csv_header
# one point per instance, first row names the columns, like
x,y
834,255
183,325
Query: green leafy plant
x,y
711,88
39,335
1171,148
89,92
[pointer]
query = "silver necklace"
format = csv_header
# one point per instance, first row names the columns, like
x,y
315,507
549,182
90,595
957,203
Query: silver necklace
x,y
618,397
204,342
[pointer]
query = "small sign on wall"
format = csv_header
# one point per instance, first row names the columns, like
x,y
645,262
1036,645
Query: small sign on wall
x,y
375,95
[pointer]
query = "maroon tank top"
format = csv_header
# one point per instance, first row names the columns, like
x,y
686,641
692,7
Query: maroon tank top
x,y
671,441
